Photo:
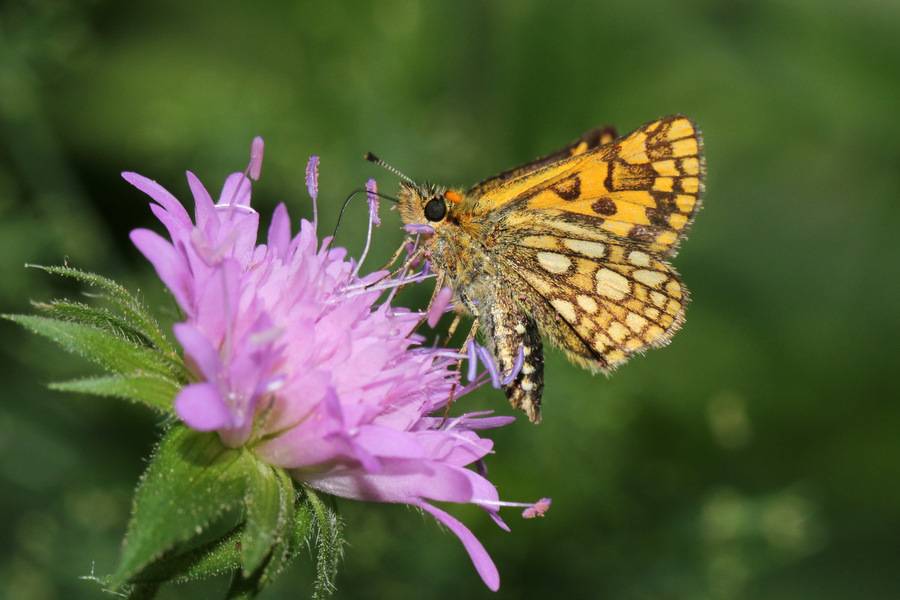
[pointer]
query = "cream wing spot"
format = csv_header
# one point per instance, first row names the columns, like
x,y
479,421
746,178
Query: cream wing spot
x,y
554,262
544,242
601,341
565,309
658,299
634,344
586,248
612,285
651,279
615,356
638,258
635,322
617,332
572,228
587,303
674,288
654,333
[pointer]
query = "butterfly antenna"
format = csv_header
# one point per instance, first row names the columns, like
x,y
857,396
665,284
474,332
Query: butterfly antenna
x,y
347,202
374,159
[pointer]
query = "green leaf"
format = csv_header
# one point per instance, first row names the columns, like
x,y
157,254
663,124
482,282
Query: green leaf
x,y
192,480
96,317
150,390
329,545
114,353
133,311
222,555
270,509
303,523
268,535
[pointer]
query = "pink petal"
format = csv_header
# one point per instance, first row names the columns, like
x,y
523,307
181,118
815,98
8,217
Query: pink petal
x,y
439,306
201,352
280,232
161,195
169,265
201,407
480,558
204,209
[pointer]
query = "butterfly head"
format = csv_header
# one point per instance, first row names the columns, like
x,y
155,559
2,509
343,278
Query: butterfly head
x,y
427,204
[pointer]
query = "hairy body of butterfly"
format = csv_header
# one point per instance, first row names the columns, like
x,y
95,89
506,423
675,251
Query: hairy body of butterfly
x,y
572,247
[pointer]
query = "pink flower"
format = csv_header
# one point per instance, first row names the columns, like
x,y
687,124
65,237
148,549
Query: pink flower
x,y
295,357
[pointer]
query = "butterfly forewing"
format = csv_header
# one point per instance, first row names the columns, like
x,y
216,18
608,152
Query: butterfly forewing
x,y
592,139
645,187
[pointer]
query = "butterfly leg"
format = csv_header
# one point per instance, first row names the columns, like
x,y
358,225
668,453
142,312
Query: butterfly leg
x,y
396,255
459,362
508,327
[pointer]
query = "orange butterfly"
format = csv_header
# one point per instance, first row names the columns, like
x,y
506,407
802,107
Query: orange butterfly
x,y
571,247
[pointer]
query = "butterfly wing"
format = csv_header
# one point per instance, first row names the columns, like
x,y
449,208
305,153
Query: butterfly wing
x,y
592,139
644,187
612,298
590,235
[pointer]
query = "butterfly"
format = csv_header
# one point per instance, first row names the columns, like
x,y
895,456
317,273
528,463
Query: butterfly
x,y
572,247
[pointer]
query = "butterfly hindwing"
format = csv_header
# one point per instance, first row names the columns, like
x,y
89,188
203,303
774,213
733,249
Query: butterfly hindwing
x,y
617,299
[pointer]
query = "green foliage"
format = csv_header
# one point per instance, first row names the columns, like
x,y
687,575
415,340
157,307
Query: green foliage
x,y
130,345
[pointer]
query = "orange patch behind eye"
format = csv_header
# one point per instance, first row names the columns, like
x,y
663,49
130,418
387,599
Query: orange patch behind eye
x,y
452,196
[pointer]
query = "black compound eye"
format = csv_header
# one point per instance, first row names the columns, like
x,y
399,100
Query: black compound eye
x,y
436,209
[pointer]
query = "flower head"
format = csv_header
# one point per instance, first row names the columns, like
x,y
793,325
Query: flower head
x,y
295,357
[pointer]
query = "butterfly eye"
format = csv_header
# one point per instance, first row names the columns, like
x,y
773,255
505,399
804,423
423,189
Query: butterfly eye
x,y
436,209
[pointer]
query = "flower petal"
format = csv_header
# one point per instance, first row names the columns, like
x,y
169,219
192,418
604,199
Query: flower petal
x,y
480,558
161,195
201,406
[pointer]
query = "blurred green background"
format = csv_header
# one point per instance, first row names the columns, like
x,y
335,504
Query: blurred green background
x,y
757,456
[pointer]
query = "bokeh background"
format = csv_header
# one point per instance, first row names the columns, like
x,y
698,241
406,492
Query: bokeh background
x,y
757,456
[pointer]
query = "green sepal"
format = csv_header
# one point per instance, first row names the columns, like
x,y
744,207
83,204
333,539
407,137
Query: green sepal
x,y
114,353
100,318
222,555
328,533
128,343
132,310
192,481
270,509
294,541
155,392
